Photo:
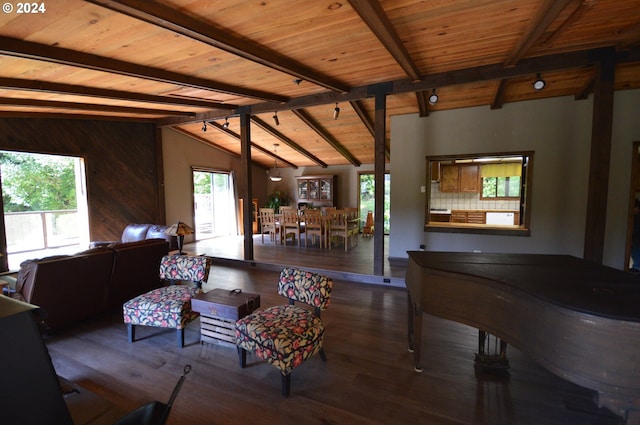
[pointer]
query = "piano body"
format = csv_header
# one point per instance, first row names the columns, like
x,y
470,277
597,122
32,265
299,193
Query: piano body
x,y
578,319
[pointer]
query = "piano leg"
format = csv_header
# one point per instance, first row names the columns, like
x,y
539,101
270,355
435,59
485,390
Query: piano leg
x,y
414,326
491,361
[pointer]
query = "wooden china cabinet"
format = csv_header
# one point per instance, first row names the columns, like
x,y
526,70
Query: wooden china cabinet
x,y
317,190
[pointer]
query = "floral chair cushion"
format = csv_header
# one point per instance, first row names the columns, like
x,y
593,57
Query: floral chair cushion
x,y
310,288
287,335
185,267
284,336
165,307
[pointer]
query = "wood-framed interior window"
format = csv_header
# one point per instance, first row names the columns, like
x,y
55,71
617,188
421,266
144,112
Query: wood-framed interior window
x,y
487,193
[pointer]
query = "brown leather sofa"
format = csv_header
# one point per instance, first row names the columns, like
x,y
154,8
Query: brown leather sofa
x,y
138,232
72,288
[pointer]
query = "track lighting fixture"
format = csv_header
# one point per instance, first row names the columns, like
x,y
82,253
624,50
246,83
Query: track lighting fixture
x,y
204,126
539,83
226,123
276,121
433,99
336,112
275,176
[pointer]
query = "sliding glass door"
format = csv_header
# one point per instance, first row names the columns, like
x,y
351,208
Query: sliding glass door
x,y
214,203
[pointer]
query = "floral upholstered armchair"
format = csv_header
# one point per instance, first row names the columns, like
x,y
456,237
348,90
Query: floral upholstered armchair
x,y
287,335
169,306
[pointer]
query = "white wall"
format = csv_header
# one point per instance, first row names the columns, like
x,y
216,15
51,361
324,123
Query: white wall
x,y
180,154
558,130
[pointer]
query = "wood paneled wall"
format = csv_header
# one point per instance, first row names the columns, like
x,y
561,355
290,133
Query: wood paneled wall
x,y
123,165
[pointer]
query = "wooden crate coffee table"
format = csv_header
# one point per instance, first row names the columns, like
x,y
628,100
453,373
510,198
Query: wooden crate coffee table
x,y
219,309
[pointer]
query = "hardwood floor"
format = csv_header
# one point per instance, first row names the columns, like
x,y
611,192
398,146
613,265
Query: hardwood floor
x,y
367,379
356,264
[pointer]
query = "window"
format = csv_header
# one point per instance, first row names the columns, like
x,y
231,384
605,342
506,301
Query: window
x,y
501,180
44,205
487,193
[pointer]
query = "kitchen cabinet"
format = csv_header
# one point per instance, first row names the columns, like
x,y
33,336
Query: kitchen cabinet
x,y
490,217
317,190
476,217
459,178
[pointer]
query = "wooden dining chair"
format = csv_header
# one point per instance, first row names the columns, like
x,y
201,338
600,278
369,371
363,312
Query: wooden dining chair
x,y
313,226
339,227
290,226
268,223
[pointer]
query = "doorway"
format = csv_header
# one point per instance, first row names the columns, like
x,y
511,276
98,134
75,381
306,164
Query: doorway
x,y
634,196
45,210
214,204
366,197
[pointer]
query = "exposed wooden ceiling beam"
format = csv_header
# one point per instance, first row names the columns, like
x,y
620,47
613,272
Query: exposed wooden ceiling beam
x,y
361,111
529,66
498,99
581,9
237,137
315,126
374,16
586,89
90,106
41,52
221,38
287,141
422,97
73,116
76,90
548,13
211,144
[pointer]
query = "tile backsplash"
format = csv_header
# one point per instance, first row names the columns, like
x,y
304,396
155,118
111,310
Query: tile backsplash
x,y
467,201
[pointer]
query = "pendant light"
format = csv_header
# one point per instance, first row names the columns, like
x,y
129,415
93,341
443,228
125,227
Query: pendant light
x,y
275,176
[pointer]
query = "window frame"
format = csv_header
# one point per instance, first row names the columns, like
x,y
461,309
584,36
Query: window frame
x,y
523,229
497,198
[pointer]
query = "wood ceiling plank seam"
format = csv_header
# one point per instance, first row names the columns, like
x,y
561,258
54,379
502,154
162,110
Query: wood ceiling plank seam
x,y
170,19
63,56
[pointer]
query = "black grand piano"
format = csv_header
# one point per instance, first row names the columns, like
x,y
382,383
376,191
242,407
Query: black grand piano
x,y
578,319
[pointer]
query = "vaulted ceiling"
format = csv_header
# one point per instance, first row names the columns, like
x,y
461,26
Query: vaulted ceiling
x,y
187,64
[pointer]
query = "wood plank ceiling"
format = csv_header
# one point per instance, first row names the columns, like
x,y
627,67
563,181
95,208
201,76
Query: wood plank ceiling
x,y
184,63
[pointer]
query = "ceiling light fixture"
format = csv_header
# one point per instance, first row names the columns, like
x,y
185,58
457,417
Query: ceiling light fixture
x,y
226,123
336,112
204,126
276,121
273,176
539,83
433,99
